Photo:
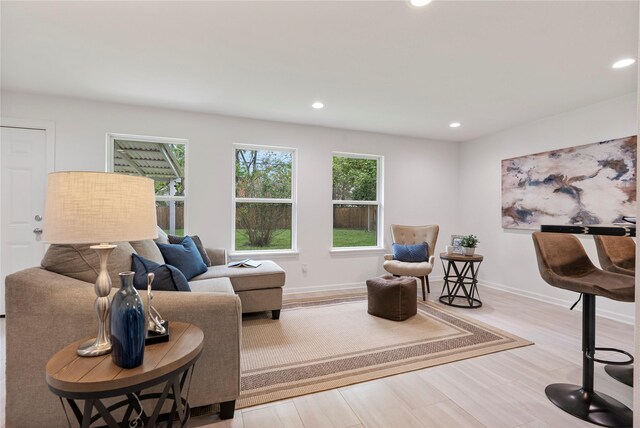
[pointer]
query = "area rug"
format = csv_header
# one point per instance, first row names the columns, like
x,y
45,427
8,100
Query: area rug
x,y
327,343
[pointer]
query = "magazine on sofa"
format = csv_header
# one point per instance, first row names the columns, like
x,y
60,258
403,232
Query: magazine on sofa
x,y
245,263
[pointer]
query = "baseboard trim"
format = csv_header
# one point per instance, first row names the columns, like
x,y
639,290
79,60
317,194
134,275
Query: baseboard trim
x,y
346,286
318,288
557,302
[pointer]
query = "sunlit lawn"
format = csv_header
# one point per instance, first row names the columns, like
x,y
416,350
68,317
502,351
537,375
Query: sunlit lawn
x,y
354,238
282,239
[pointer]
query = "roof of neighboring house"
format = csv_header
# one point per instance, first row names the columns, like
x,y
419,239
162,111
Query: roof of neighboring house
x,y
153,160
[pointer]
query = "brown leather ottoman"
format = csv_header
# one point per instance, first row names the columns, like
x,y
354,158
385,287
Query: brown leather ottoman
x,y
391,297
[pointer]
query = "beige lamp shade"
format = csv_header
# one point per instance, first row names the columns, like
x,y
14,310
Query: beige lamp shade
x,y
98,207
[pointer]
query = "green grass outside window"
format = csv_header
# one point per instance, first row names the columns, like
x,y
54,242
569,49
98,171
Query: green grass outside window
x,y
282,239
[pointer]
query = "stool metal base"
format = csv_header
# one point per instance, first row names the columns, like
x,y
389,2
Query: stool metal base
x,y
622,374
593,407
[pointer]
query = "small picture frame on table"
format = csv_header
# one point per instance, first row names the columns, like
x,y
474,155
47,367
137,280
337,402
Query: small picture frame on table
x,y
455,243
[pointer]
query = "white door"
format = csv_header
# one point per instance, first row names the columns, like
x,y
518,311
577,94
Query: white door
x,y
23,178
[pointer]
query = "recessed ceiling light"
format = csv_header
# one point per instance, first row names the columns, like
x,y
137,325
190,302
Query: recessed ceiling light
x,y
623,63
419,3
317,105
454,125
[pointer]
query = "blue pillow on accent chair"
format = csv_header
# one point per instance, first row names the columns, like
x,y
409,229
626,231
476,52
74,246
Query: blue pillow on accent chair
x,y
185,256
411,253
167,277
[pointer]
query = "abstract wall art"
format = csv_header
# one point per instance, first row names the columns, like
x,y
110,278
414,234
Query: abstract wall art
x,y
590,184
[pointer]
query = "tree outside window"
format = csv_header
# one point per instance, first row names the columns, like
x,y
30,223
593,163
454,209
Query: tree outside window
x,y
356,200
264,198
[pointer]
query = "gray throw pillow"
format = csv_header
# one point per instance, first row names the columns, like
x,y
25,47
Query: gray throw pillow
x,y
162,237
81,262
149,250
174,239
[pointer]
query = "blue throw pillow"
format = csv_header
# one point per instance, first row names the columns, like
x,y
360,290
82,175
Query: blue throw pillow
x,y
411,253
167,277
185,256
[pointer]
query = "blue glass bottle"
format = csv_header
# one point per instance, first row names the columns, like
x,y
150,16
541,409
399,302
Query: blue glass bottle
x,y
127,324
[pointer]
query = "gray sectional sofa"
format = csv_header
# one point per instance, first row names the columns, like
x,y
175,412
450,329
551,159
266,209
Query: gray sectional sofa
x,y
50,306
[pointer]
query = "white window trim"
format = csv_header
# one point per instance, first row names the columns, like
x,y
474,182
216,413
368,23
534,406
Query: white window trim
x,y
112,136
336,251
353,202
262,254
379,202
171,198
293,201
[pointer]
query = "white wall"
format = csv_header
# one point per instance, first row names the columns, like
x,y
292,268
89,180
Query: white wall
x,y
420,180
509,255
454,185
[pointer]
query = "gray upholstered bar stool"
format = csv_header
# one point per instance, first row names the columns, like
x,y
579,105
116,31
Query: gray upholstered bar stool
x,y
563,263
617,254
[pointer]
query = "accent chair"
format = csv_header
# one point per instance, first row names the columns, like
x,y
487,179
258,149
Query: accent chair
x,y
412,235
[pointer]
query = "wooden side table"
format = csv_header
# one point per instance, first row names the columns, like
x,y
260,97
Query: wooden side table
x,y
461,278
91,380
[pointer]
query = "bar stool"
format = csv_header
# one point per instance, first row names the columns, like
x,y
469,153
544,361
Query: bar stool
x,y
617,254
563,263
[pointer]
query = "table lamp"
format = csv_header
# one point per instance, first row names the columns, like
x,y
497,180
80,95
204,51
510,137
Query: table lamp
x,y
99,208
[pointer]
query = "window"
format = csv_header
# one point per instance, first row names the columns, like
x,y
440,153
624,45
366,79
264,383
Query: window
x,y
164,161
264,199
357,200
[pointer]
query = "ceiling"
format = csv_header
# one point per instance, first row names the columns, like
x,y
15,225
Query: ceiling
x,y
379,66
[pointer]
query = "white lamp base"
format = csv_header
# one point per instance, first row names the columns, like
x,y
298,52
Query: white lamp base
x,y
102,343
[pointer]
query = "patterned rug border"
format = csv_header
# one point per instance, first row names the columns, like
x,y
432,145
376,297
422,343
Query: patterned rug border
x,y
374,363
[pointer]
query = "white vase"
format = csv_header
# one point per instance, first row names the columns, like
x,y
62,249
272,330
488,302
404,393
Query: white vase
x,y
468,251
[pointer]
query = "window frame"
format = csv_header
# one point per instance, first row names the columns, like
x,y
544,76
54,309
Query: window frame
x,y
112,137
293,200
379,202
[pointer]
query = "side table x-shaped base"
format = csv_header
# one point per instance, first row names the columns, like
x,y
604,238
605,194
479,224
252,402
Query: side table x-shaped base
x,y
456,282
173,390
95,388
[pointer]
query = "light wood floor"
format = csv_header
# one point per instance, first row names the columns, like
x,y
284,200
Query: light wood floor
x,y
505,389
